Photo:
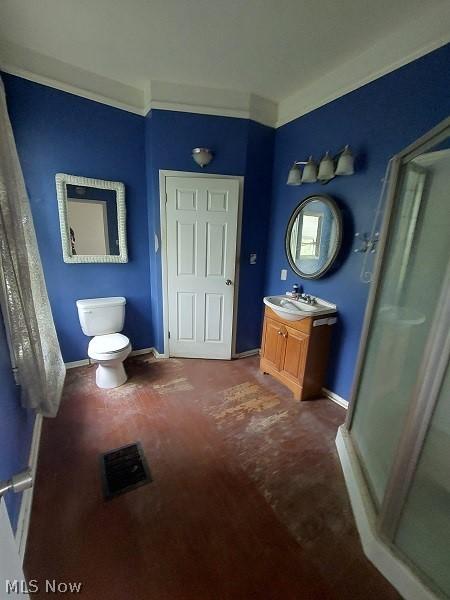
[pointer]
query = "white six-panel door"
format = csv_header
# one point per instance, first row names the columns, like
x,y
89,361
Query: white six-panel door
x,y
201,226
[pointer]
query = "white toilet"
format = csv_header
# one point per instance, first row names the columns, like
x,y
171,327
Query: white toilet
x,y
104,318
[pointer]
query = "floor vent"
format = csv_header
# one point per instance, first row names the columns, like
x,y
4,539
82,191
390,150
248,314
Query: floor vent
x,y
124,469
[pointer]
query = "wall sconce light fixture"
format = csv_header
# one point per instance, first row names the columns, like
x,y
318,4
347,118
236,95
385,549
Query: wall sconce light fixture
x,y
202,156
329,167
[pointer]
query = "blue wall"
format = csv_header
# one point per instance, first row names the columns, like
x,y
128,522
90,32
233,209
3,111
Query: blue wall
x,y
16,428
377,120
56,131
255,231
59,132
241,147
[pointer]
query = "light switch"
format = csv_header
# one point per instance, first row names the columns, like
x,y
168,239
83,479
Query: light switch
x,y
283,274
253,258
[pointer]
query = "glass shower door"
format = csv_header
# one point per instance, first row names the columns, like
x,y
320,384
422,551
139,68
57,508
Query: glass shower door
x,y
423,534
415,261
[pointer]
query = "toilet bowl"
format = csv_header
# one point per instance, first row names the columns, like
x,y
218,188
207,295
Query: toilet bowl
x,y
109,351
103,318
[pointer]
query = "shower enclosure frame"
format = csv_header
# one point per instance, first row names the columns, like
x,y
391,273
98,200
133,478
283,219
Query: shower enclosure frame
x,y
433,366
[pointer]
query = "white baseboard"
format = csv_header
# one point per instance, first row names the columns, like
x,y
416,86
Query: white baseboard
x,y
86,361
391,566
77,363
142,351
246,353
23,522
335,398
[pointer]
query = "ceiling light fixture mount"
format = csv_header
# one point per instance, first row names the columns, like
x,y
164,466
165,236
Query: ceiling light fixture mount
x,y
329,167
202,156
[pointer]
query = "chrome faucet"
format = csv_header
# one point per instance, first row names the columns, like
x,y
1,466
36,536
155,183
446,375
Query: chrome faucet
x,y
308,299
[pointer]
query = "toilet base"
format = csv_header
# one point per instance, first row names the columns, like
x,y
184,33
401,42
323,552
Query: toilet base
x,y
110,376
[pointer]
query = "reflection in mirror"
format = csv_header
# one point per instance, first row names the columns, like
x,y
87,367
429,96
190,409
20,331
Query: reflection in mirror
x,y
92,215
92,219
313,236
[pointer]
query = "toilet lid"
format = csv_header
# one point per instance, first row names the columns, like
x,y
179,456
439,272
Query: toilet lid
x,y
105,344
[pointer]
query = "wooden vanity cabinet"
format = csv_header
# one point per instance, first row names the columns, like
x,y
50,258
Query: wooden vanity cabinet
x,y
296,352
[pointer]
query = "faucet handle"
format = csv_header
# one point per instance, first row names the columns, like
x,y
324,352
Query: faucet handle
x,y
308,298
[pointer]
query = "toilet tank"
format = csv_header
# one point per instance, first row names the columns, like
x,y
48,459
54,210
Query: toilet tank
x,y
99,316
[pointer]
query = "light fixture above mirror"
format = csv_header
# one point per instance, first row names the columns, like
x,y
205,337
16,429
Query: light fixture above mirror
x,y
329,167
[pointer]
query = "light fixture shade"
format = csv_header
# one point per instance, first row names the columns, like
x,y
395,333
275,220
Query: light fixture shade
x,y
345,164
202,156
295,176
310,172
326,168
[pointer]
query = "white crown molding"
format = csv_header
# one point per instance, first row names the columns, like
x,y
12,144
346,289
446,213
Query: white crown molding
x,y
407,43
70,89
57,74
54,73
211,101
411,41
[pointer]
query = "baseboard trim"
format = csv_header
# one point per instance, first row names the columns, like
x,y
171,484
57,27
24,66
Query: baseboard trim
x,y
142,351
380,554
246,353
86,361
77,363
335,398
23,523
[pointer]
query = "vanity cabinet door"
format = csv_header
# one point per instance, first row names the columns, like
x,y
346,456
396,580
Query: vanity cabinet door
x,y
294,358
274,342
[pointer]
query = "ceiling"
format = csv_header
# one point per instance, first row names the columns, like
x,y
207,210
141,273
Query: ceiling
x,y
272,48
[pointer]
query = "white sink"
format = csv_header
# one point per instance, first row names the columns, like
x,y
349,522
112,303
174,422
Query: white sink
x,y
294,310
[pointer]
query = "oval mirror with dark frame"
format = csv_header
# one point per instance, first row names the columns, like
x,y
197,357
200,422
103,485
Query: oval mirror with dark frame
x,y
313,236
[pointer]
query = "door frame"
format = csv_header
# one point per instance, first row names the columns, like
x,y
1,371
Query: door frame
x,y
163,175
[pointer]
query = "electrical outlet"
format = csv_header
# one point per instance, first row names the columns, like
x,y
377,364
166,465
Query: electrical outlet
x,y
283,274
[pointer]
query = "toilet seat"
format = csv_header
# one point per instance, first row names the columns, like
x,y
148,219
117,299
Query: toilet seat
x,y
109,345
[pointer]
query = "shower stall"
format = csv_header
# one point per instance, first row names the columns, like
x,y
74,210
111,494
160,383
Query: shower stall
x,y
395,445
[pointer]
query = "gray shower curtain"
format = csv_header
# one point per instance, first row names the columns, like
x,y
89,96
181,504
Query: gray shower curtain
x,y
36,355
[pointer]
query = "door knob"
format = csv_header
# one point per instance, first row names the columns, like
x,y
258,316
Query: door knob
x,y
228,282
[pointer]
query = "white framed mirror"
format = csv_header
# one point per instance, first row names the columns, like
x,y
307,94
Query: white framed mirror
x,y
92,219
